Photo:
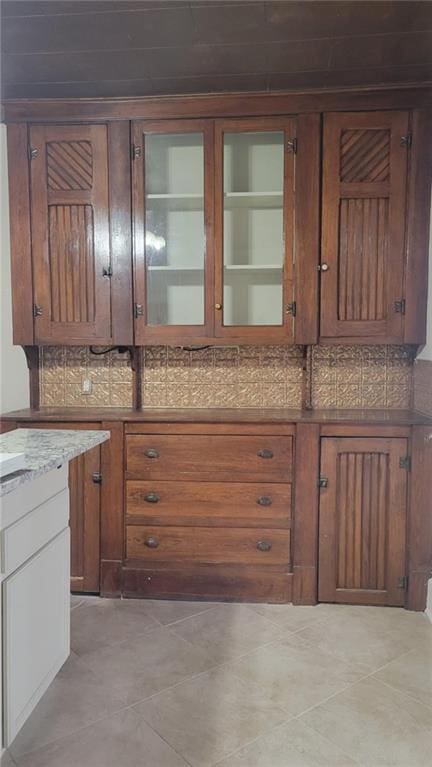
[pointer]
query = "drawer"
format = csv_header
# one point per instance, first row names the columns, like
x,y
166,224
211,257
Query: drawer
x,y
198,457
232,504
207,545
23,539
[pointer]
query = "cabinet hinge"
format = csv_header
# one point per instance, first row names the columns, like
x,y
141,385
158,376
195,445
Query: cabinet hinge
x,y
323,482
399,306
107,271
138,310
292,309
32,152
37,310
402,583
136,152
405,462
292,146
406,141
97,478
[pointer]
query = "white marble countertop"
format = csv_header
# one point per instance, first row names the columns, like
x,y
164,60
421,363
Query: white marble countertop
x,y
45,449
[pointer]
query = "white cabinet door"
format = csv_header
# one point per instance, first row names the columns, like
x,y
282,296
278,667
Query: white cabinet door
x,y
36,630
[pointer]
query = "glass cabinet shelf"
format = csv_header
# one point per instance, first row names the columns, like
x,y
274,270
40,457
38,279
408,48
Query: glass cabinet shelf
x,y
176,201
165,268
252,267
253,199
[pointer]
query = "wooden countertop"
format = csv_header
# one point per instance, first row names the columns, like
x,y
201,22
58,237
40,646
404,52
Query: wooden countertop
x,y
244,415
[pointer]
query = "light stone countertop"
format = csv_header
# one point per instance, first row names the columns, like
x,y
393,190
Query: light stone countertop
x,y
45,449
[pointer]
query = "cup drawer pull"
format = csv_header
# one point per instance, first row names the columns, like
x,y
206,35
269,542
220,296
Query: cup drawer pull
x,y
151,498
264,545
264,500
151,453
265,453
151,543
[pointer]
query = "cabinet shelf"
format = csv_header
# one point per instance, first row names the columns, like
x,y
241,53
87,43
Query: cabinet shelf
x,y
176,201
164,268
253,267
253,200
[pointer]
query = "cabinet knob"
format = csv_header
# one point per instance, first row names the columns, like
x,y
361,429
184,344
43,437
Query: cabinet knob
x,y
151,453
264,500
323,267
151,543
151,498
265,453
218,306
264,545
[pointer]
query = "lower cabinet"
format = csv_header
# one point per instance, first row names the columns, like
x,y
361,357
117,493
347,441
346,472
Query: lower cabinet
x,y
363,520
85,510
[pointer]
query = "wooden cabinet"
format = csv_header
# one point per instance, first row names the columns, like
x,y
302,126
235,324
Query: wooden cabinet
x,y
363,520
364,209
85,510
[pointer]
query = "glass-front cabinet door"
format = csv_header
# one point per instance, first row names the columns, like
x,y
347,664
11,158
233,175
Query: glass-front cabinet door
x,y
173,213
254,229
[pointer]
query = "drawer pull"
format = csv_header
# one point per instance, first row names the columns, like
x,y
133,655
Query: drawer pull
x,y
151,543
264,545
264,500
151,453
265,453
151,498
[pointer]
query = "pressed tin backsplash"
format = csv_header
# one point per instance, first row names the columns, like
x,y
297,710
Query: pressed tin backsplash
x,y
230,377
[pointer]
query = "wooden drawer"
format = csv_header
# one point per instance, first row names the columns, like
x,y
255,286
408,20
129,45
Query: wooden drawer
x,y
206,545
230,504
197,457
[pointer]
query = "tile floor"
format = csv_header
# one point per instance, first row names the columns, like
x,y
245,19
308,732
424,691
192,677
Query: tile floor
x,y
178,684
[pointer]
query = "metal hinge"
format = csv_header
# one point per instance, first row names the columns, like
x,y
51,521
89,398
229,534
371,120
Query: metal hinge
x,y
292,146
406,141
97,478
292,309
138,310
405,462
136,152
399,306
32,152
402,583
37,310
107,271
323,482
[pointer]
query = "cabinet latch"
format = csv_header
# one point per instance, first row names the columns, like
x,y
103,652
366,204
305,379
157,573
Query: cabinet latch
x,y
107,271
292,146
402,583
405,462
406,141
138,310
32,152
323,482
37,310
97,478
136,152
292,309
399,306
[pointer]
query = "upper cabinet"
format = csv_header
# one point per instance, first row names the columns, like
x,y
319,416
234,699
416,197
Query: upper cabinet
x,y
364,198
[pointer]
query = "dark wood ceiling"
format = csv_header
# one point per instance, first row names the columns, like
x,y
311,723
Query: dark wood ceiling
x,y
125,48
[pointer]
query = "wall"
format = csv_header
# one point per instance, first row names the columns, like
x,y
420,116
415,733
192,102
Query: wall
x,y
14,380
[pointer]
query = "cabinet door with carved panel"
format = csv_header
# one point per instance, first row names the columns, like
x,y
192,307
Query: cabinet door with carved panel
x,y
70,233
363,225
362,528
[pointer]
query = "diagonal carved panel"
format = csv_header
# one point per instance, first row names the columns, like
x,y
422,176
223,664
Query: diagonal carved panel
x,y
363,250
362,505
69,165
71,263
365,156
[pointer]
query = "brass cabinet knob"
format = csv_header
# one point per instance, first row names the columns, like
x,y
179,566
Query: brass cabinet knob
x,y
151,543
264,545
151,498
151,453
265,453
218,306
264,500
323,267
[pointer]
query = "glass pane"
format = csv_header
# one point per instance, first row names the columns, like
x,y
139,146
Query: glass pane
x,y
175,234
253,228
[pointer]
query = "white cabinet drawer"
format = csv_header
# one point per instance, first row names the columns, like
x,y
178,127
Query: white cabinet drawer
x,y
36,630
25,498
23,539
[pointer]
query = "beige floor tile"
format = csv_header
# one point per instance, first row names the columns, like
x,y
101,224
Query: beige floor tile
x,y
122,740
295,677
101,622
290,745
411,674
376,726
296,617
76,698
206,718
6,760
227,631
146,665
75,601
167,612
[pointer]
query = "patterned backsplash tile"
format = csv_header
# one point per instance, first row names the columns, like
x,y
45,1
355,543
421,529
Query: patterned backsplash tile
x,y
225,377
423,386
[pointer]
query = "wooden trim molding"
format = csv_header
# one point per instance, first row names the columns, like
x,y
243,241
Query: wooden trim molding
x,y
305,525
420,519
33,364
